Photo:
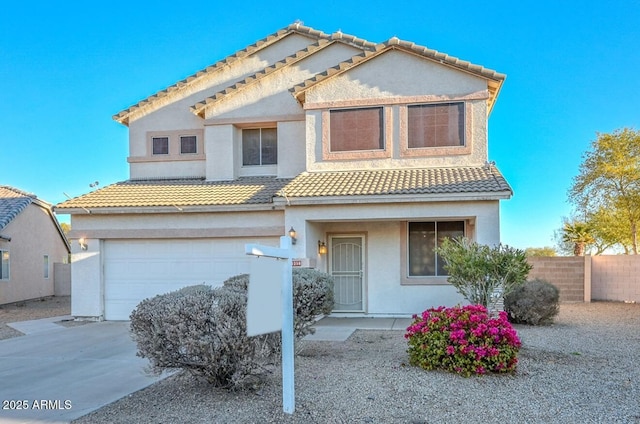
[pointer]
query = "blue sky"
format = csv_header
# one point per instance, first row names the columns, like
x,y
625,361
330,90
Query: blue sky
x,y
66,67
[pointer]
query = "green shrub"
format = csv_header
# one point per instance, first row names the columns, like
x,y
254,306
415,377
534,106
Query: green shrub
x,y
463,340
483,274
203,329
536,302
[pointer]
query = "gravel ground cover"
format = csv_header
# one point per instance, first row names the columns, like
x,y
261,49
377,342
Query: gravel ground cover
x,y
583,369
45,307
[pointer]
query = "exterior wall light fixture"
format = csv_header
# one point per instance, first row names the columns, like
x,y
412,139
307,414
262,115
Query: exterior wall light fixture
x,y
322,248
292,234
83,243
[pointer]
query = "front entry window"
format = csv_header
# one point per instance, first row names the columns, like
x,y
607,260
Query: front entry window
x,y
423,238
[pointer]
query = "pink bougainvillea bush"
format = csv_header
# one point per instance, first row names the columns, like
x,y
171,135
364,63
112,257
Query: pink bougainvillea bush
x,y
463,340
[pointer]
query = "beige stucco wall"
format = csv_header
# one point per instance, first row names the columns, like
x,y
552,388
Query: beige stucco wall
x,y
33,235
183,225
382,226
378,82
395,73
87,299
175,114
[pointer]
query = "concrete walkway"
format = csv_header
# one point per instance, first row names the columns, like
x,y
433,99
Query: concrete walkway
x,y
57,374
339,329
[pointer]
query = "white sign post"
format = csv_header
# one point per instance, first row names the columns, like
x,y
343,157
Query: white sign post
x,y
285,252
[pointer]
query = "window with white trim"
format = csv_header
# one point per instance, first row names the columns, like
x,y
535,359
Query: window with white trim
x,y
422,239
259,146
436,125
4,265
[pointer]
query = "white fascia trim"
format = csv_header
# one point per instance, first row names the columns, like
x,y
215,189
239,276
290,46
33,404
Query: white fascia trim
x,y
400,198
170,209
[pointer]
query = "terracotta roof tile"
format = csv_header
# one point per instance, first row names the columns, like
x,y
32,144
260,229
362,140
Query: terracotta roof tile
x,y
177,193
484,179
262,190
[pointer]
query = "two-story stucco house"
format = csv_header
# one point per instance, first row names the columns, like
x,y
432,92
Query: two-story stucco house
x,y
371,153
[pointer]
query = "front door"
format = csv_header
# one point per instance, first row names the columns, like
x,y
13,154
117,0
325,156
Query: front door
x,y
346,258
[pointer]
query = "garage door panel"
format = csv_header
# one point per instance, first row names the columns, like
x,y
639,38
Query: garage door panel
x,y
135,270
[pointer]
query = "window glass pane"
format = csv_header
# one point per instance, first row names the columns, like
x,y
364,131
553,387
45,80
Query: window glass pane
x,y
436,125
451,229
4,265
269,148
251,147
356,129
160,145
46,266
422,243
188,144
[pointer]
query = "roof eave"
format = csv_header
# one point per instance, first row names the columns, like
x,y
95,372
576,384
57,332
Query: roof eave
x,y
173,209
394,198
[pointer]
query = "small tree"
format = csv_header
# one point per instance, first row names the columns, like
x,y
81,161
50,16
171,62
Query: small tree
x,y
579,234
483,274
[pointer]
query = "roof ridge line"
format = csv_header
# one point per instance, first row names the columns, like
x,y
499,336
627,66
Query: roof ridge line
x,y
264,72
123,115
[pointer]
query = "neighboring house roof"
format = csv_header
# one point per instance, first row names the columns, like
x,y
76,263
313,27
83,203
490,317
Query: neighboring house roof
x,y
480,180
179,193
14,201
494,78
123,116
485,180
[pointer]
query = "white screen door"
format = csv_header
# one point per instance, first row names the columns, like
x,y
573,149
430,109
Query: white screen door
x,y
347,259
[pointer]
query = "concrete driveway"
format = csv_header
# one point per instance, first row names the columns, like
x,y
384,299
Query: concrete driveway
x,y
55,374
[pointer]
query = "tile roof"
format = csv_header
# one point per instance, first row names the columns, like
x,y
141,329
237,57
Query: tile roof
x,y
471,180
200,107
495,78
12,202
262,190
177,193
299,28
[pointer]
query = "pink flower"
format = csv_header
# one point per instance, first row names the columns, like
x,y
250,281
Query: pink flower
x,y
451,350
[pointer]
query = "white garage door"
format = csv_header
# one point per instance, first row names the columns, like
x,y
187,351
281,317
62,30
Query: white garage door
x,y
137,269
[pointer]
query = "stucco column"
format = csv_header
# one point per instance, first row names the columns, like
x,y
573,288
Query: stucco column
x,y
86,279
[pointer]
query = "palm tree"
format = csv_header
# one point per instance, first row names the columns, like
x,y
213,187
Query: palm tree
x,y
579,234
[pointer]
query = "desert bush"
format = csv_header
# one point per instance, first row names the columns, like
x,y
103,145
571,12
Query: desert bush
x,y
536,302
203,329
483,274
464,340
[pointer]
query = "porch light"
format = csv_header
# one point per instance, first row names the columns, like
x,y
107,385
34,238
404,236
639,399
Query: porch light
x,y
292,234
83,243
322,248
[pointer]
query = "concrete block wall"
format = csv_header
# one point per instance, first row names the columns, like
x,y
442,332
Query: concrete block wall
x,y
566,273
616,278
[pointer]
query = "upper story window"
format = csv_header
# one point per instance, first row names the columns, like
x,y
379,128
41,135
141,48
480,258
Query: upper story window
x,y
4,264
259,146
356,129
160,145
188,144
436,125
